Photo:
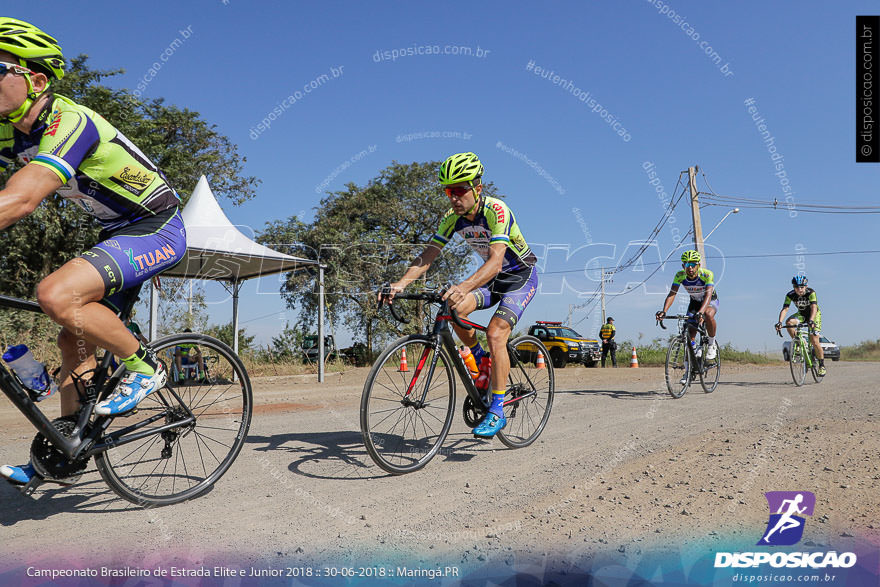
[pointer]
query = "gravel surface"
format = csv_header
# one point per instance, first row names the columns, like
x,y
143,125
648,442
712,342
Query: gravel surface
x,y
621,467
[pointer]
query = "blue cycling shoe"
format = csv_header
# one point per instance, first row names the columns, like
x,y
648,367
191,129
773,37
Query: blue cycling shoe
x,y
491,424
131,390
18,475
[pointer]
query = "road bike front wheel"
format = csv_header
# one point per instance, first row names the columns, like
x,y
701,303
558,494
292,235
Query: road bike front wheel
x,y
814,368
182,462
406,411
678,368
529,395
797,363
710,370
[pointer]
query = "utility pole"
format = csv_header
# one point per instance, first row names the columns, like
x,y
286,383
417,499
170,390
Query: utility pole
x,y
570,307
603,294
695,212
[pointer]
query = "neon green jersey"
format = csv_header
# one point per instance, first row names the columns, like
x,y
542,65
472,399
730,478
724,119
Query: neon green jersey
x,y
494,223
696,287
102,171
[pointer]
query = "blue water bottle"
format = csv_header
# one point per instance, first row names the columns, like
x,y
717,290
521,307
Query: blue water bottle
x,y
31,372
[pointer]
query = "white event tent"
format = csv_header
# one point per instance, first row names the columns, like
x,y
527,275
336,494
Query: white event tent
x,y
219,251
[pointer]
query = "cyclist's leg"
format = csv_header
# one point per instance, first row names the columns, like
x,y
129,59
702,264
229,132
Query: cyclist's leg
x,y
516,291
814,336
71,297
77,357
693,307
468,305
711,324
791,323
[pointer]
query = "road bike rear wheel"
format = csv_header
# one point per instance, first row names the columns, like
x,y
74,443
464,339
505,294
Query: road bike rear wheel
x,y
401,432
183,462
797,363
529,395
710,370
678,368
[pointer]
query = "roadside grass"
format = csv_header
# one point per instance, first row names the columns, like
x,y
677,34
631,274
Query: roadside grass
x,y
868,350
654,354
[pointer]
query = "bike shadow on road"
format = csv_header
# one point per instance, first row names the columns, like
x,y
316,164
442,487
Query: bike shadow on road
x,y
321,455
341,455
625,394
90,495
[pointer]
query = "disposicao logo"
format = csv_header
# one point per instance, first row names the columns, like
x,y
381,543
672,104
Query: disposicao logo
x,y
786,524
785,528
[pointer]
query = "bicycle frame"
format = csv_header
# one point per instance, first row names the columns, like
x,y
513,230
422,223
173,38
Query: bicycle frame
x,y
442,334
89,440
806,346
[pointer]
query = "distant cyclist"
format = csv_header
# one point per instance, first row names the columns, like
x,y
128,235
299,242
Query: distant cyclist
x,y
700,284
508,273
804,299
68,149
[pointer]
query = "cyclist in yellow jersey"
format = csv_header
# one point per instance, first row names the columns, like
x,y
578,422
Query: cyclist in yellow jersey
x,y
508,276
70,150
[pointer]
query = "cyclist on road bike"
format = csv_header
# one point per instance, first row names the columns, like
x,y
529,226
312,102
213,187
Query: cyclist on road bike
x,y
68,149
507,277
700,284
804,299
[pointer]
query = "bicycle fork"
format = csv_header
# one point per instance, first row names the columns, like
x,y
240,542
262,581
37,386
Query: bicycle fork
x,y
407,398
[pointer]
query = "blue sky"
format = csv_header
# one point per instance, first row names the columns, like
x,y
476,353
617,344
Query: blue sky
x,y
641,63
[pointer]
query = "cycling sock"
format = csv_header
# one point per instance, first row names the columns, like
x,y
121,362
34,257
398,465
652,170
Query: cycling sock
x,y
497,406
711,340
142,361
478,352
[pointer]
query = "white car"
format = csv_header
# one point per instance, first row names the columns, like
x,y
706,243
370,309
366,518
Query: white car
x,y
830,348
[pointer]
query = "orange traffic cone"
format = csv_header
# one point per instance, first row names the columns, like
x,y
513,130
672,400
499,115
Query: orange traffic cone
x,y
634,363
540,364
403,365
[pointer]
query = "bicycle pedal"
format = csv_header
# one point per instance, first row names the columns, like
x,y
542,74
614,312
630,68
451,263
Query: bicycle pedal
x,y
31,486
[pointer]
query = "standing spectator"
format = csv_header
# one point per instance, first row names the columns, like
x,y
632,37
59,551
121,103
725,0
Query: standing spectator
x,y
606,333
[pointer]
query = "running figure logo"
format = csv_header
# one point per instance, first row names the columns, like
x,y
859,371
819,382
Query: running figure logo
x,y
786,524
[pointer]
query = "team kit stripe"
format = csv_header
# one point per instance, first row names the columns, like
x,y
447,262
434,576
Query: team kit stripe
x,y
56,164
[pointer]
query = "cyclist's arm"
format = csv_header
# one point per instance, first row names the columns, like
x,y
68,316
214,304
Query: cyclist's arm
x,y
416,269
782,313
488,271
814,306
669,298
24,191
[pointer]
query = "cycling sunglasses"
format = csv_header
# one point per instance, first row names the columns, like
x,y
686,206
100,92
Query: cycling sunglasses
x,y
457,191
14,67
691,264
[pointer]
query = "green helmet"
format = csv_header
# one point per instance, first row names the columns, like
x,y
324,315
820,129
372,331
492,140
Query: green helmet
x,y
460,167
30,44
690,257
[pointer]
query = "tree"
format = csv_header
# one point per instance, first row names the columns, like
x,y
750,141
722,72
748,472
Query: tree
x,y
182,144
368,235
224,333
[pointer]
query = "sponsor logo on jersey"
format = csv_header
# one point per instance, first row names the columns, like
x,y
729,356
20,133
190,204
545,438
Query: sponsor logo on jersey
x,y
146,261
53,126
133,179
499,212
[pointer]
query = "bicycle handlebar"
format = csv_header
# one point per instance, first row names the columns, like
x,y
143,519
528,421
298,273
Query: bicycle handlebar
x,y
432,297
672,317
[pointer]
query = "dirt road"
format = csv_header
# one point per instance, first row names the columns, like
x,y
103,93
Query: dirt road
x,y
620,467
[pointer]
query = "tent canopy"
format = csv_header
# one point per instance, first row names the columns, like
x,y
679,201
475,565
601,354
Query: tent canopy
x,y
217,250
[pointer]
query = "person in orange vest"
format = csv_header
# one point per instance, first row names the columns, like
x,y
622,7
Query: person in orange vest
x,y
606,333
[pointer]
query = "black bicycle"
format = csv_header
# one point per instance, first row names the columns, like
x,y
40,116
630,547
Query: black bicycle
x,y
685,362
407,409
174,446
